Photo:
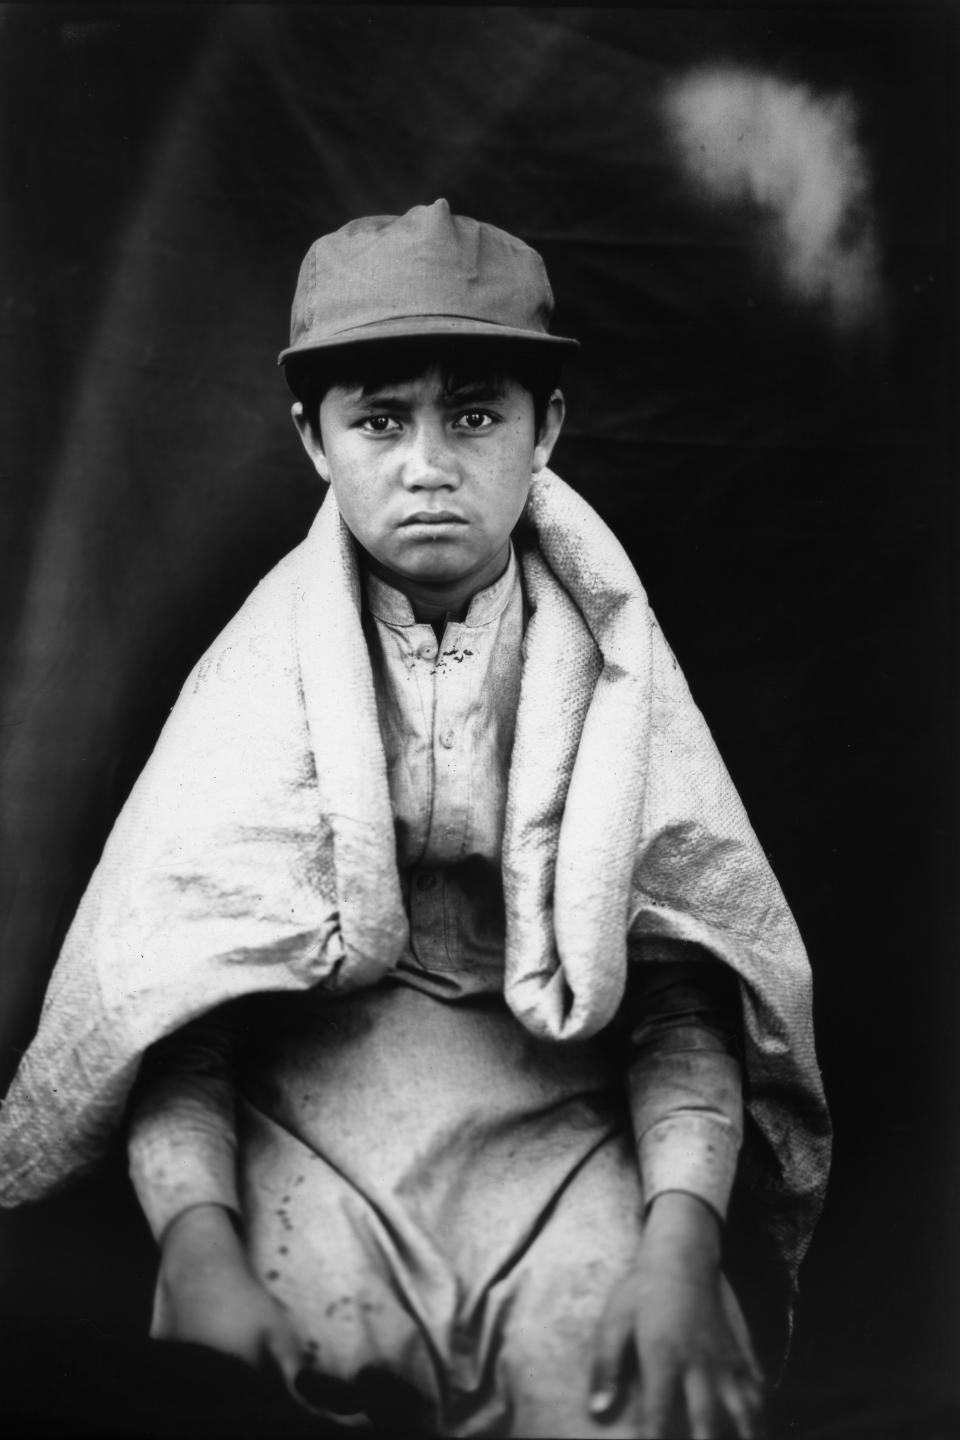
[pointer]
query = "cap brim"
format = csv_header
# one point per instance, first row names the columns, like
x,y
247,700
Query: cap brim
x,y
418,326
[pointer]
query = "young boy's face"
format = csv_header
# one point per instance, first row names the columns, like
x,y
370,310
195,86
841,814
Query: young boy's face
x,y
431,480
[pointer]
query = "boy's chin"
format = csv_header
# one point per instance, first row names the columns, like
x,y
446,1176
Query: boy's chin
x,y
435,573
428,569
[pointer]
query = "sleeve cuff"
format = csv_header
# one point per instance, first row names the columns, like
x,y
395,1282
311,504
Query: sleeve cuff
x,y
179,1160
691,1151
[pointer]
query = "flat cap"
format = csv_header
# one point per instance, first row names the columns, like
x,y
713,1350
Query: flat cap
x,y
428,272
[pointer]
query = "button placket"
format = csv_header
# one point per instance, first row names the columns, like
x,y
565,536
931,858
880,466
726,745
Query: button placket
x,y
447,774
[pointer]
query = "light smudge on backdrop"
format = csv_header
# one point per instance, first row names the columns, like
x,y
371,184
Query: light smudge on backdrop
x,y
743,135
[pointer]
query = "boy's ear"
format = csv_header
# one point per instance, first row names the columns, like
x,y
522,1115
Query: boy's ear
x,y
311,440
549,430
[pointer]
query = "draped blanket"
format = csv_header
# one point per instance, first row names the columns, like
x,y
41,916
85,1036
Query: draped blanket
x,y
257,852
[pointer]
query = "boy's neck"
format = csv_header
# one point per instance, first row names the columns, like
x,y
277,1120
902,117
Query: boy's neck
x,y
435,603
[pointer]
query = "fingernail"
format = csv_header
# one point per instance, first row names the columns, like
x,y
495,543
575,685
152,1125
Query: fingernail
x,y
601,1400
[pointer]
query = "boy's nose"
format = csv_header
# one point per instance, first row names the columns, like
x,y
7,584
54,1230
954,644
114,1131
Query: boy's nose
x,y
429,463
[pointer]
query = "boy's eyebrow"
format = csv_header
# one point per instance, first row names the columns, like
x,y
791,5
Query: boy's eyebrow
x,y
377,394
482,389
394,393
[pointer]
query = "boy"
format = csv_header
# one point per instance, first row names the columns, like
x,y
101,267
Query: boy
x,y
441,789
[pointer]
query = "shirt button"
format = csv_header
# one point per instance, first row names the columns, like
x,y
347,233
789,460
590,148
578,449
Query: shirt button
x,y
446,739
428,650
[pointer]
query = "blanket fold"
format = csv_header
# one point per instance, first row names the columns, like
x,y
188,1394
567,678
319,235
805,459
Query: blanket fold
x,y
257,852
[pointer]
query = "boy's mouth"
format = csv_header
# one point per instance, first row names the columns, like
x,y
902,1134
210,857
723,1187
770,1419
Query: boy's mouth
x,y
434,517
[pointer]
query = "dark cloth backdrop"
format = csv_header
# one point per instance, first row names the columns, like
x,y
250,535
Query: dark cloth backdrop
x,y
787,493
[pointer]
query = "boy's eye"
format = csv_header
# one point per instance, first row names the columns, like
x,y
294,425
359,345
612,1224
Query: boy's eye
x,y
379,424
475,420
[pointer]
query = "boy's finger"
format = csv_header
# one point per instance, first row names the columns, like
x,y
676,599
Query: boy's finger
x,y
658,1390
702,1408
744,1403
284,1351
741,1337
610,1341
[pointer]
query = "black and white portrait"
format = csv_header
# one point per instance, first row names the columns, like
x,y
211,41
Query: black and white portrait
x,y
622,366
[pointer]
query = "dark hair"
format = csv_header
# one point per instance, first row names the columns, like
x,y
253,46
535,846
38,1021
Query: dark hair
x,y
535,366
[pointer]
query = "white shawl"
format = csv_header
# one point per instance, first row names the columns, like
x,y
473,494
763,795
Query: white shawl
x,y
257,852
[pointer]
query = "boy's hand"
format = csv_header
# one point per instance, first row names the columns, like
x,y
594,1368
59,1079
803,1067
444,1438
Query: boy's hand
x,y
209,1295
696,1377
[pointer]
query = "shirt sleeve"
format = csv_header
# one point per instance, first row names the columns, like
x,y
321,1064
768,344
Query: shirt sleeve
x,y
181,1122
682,1025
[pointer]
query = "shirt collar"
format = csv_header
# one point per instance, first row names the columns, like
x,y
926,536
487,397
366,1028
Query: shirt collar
x,y
387,603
